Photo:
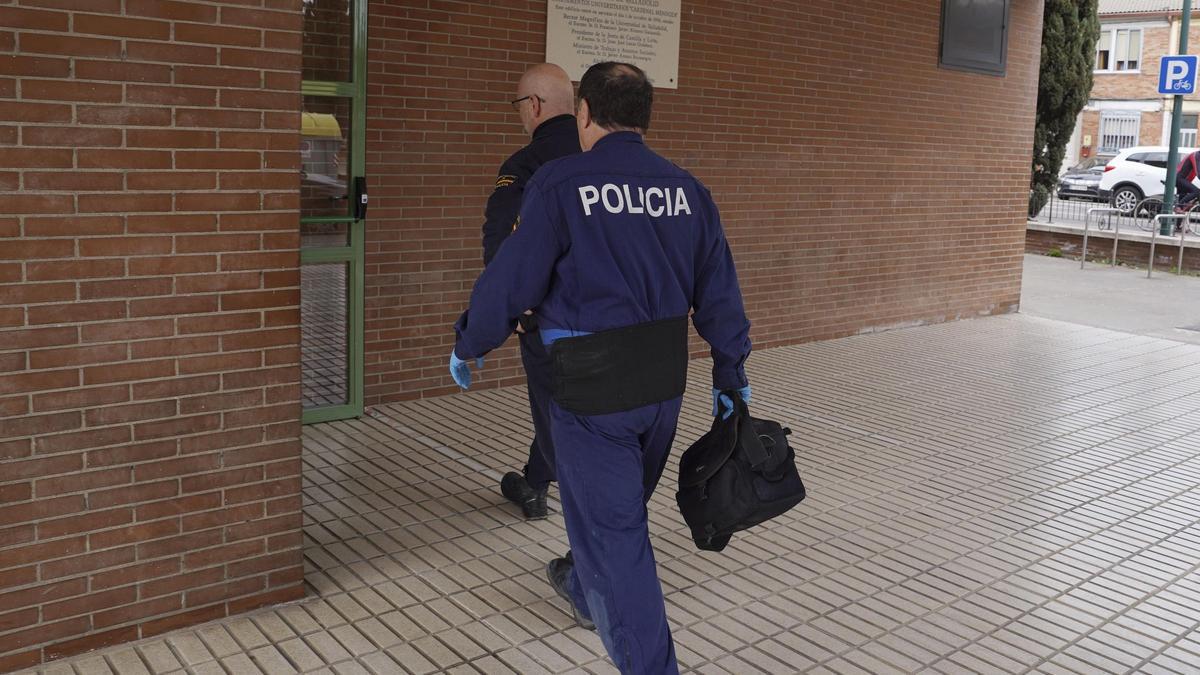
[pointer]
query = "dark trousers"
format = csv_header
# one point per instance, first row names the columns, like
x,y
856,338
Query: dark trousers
x,y
608,467
539,469
1185,189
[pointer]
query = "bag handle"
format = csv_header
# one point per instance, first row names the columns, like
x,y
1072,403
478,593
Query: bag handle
x,y
749,440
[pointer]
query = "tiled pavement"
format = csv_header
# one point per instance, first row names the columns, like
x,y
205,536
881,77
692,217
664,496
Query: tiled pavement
x,y
997,495
323,319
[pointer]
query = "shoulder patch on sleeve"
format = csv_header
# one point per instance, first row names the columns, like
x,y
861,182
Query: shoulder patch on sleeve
x,y
505,181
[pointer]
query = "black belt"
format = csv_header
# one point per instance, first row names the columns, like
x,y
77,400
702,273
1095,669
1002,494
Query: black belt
x,y
621,369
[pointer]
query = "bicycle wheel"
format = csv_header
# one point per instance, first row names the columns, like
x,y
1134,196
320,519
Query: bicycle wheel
x,y
1191,224
1143,214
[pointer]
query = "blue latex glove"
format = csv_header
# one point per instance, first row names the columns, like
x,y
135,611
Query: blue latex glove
x,y
723,406
461,370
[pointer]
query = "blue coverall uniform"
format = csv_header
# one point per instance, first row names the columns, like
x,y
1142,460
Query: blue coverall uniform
x,y
554,138
614,237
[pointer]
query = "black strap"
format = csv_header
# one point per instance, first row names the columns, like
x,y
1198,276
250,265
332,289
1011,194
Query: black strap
x,y
747,437
621,369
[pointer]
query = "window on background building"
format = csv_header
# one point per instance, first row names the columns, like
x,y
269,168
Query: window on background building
x,y
975,35
1118,131
1119,50
1187,130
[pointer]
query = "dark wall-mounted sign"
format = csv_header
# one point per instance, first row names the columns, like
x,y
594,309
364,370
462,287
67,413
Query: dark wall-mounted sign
x,y
975,35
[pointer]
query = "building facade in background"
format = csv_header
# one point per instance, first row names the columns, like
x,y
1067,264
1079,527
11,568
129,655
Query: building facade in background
x,y
222,218
1125,108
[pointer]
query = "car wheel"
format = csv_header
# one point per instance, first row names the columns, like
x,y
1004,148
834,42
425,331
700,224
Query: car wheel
x,y
1126,198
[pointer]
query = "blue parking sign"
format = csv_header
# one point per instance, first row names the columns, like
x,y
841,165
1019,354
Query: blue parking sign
x,y
1177,75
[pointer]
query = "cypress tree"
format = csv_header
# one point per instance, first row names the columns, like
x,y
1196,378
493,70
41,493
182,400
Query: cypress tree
x,y
1070,29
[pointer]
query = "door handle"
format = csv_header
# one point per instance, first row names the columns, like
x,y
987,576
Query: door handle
x,y
360,197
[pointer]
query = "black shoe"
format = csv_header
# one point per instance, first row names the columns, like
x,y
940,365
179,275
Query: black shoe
x,y
516,489
557,571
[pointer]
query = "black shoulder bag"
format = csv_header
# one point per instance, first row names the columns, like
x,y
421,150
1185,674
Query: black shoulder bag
x,y
739,474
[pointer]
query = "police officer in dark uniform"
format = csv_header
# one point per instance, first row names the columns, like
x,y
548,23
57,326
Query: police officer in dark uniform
x,y
615,247
545,101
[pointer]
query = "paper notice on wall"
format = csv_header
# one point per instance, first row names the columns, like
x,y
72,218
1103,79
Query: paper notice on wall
x,y
645,33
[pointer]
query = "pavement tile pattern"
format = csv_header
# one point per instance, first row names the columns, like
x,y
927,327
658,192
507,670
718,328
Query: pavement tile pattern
x,y
323,327
999,495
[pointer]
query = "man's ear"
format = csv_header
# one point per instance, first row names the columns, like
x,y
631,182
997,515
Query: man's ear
x,y
584,114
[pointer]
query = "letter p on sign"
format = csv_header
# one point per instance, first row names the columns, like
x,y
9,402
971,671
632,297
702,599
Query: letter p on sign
x,y
1177,75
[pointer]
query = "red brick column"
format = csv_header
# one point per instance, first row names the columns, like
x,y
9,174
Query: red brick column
x,y
149,292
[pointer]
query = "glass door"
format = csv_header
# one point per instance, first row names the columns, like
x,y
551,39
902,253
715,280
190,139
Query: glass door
x,y
333,206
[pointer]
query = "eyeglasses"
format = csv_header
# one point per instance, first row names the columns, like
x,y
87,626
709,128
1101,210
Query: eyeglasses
x,y
517,103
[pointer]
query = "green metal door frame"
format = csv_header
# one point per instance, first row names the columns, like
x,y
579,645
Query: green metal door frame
x,y
353,254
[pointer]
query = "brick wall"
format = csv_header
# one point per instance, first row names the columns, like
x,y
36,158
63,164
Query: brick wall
x,y
1156,42
1142,85
149,385
1131,253
1149,129
862,187
1090,126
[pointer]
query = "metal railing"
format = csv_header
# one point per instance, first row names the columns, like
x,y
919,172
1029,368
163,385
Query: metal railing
x,y
1183,231
1058,209
1087,221
1073,211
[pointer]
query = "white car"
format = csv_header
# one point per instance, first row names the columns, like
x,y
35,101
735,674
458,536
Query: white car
x,y
1136,173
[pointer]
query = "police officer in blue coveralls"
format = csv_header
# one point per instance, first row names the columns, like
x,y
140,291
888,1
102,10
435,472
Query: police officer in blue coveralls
x,y
614,248
545,103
